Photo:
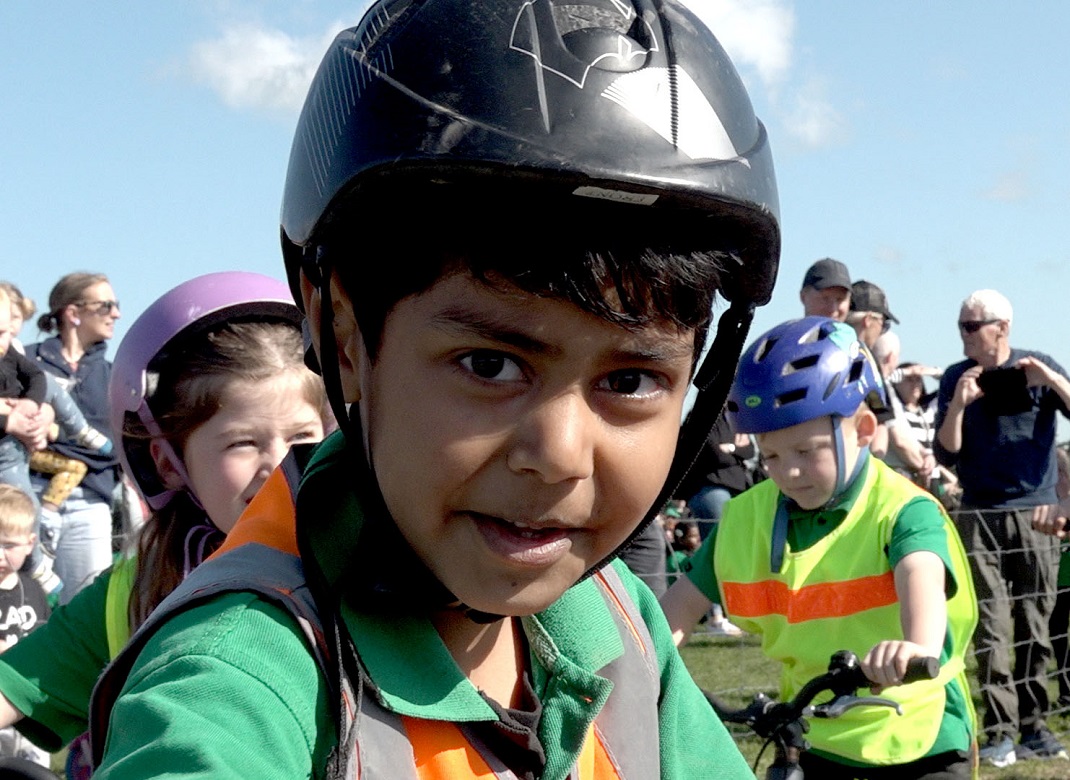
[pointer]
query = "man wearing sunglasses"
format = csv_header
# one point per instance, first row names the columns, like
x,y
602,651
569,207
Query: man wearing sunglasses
x,y
869,314
995,423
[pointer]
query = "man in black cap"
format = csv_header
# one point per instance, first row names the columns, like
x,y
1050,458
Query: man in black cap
x,y
869,314
826,290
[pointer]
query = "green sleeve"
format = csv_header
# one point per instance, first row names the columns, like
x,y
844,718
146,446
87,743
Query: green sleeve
x,y
920,526
694,742
49,675
699,569
225,689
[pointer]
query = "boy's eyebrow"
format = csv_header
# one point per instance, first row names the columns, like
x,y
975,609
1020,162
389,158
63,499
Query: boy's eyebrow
x,y
506,332
494,329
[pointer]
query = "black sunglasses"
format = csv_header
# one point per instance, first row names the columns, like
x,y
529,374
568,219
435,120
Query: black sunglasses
x,y
102,307
972,326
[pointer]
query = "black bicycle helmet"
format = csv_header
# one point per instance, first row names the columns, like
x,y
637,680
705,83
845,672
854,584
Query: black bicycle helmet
x,y
628,102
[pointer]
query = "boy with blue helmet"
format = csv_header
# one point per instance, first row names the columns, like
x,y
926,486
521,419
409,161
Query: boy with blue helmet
x,y
837,551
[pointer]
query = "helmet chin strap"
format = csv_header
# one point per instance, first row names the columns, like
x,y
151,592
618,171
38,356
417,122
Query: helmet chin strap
x,y
160,500
843,481
779,540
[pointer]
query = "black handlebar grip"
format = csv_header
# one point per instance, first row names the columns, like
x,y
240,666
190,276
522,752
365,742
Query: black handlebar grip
x,y
921,669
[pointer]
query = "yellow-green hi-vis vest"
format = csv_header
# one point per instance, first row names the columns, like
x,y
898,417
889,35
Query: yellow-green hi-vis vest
x,y
840,595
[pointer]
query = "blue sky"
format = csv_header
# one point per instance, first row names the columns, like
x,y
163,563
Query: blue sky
x,y
923,144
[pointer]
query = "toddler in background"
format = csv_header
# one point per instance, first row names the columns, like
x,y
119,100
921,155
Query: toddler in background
x,y
23,604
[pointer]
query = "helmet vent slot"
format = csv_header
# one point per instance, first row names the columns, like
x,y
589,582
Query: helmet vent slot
x,y
801,364
833,384
791,397
572,16
814,335
855,372
764,350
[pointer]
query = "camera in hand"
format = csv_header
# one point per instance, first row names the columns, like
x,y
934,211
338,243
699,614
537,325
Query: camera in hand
x,y
1006,390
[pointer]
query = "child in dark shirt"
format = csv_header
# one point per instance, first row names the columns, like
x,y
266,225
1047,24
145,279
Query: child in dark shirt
x,y
23,604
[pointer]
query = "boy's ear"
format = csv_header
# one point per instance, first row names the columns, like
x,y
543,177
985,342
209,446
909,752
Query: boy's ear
x,y
865,426
349,344
165,467
351,354
310,300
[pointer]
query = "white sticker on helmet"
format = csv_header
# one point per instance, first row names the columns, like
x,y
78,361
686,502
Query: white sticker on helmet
x,y
617,196
647,95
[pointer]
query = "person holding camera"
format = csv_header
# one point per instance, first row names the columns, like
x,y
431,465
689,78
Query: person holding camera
x,y
996,424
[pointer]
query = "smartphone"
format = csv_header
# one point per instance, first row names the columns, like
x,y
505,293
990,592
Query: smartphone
x,y
1006,390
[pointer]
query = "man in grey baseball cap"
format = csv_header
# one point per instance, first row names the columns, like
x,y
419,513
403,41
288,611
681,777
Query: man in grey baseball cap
x,y
869,313
826,290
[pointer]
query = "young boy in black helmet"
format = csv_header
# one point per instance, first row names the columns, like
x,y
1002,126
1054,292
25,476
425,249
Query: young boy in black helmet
x,y
580,180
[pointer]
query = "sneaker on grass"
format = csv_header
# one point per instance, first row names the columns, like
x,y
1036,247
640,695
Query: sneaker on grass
x,y
1040,743
998,752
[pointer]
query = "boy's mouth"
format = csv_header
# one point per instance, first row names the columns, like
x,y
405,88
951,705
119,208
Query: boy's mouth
x,y
521,543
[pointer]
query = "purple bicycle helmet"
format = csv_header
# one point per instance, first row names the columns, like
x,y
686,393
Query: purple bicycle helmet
x,y
801,370
189,308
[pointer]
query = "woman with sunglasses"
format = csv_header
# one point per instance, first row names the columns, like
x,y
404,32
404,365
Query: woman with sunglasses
x,y
81,312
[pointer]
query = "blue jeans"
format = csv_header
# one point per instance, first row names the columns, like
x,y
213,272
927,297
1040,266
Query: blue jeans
x,y
15,465
707,505
68,415
83,549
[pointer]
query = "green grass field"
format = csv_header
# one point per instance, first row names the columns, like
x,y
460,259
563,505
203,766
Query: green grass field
x,y
735,669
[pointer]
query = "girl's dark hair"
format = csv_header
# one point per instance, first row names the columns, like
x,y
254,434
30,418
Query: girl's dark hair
x,y
69,289
186,388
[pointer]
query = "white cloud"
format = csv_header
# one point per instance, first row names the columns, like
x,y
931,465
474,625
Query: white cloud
x,y
810,117
759,37
889,255
1010,187
756,34
250,66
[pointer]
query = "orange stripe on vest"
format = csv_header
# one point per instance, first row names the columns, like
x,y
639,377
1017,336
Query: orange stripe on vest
x,y
269,519
813,602
442,752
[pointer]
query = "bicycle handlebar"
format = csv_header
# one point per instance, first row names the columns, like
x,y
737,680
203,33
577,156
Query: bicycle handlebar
x,y
785,722
843,678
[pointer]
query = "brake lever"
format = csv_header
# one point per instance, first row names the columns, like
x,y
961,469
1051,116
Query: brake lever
x,y
841,704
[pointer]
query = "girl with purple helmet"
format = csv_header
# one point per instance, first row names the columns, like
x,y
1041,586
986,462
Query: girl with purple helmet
x,y
209,390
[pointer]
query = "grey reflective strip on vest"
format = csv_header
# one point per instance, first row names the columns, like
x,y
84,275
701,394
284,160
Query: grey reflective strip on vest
x,y
242,569
628,724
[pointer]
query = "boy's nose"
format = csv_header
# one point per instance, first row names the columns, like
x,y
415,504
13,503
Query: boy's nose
x,y
555,440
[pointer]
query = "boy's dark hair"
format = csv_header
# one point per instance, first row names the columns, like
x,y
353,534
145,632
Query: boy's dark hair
x,y
625,279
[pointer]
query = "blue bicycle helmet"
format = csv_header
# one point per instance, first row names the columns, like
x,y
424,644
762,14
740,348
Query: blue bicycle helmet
x,y
799,371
